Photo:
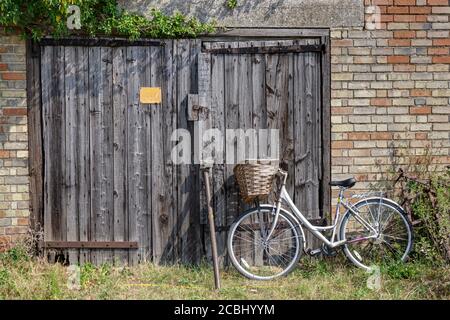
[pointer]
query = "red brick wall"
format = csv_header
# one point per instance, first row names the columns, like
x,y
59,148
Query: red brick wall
x,y
391,86
13,140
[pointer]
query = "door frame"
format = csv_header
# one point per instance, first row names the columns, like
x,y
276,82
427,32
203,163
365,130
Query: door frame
x,y
34,103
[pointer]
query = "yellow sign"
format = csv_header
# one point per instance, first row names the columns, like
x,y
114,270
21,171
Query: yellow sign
x,y
150,95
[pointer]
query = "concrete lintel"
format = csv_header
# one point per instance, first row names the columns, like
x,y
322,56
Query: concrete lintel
x,y
263,13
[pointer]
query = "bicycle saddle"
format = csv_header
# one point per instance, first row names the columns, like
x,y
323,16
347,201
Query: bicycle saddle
x,y
348,183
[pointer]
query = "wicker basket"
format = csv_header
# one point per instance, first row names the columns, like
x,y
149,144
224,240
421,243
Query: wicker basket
x,y
254,180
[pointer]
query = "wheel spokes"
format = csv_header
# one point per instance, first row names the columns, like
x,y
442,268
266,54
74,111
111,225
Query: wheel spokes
x,y
393,238
265,257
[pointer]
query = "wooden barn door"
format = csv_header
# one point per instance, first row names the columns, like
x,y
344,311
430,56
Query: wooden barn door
x,y
107,177
268,85
103,181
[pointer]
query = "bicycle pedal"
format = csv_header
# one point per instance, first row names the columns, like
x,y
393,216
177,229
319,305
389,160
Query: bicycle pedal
x,y
314,252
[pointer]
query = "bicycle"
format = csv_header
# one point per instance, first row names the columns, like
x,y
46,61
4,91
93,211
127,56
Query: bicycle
x,y
265,241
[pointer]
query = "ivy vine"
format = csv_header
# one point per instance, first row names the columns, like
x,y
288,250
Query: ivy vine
x,y
38,18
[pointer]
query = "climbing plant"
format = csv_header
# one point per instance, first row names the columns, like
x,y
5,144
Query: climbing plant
x,y
98,17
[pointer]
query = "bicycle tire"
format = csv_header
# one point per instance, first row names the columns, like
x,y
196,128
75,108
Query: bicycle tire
x,y
295,229
385,202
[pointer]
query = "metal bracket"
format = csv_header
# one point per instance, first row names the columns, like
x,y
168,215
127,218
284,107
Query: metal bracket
x,y
196,106
267,50
90,245
95,42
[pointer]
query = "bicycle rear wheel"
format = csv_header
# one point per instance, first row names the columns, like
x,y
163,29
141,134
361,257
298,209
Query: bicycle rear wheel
x,y
257,257
394,240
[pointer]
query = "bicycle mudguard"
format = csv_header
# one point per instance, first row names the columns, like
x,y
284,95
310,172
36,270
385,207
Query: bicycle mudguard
x,y
392,202
387,200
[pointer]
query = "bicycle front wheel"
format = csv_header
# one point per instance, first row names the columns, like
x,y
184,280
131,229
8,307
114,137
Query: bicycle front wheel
x,y
392,242
254,254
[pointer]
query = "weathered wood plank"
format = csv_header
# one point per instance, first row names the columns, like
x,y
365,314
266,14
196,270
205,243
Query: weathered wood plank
x,y
281,102
82,150
101,135
231,105
47,126
297,109
35,143
160,214
259,112
52,68
70,157
245,110
273,99
308,180
289,128
246,102
196,251
142,155
176,168
299,133
184,181
204,142
166,79
187,175
316,134
107,192
259,121
248,140
136,158
208,144
60,184
95,145
120,107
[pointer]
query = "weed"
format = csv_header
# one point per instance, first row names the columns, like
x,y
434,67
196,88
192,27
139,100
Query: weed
x,y
25,277
231,4
53,285
400,270
424,193
14,255
4,277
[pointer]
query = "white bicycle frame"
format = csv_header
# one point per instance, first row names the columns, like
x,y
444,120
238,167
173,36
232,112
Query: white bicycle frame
x,y
317,230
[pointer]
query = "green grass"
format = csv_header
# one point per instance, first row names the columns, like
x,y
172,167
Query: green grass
x,y
22,277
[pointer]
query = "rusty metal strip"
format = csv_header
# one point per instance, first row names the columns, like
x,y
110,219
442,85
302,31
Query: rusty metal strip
x,y
90,245
103,42
267,50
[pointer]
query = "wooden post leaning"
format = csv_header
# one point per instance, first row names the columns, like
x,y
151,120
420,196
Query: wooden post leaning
x,y
212,229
